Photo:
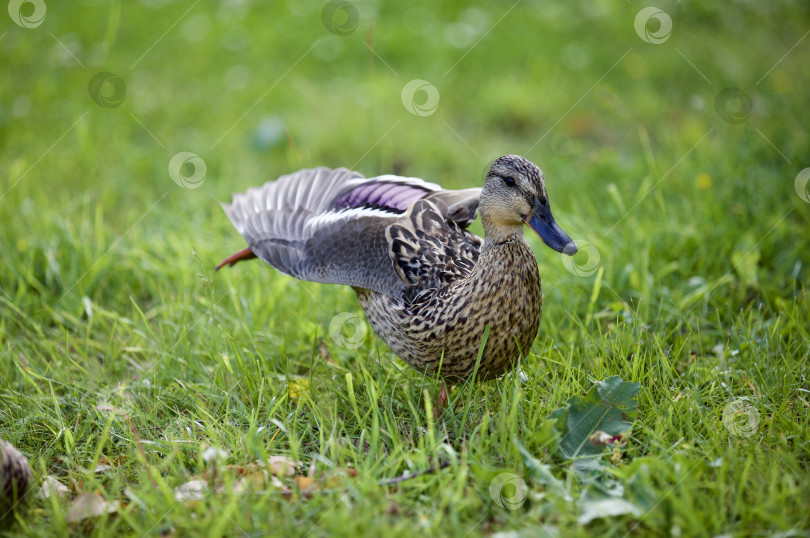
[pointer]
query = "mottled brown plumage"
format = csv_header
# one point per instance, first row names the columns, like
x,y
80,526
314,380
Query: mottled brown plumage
x,y
444,326
429,287
15,477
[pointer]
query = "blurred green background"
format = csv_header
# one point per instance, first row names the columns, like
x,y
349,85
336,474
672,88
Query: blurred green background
x,y
626,131
675,154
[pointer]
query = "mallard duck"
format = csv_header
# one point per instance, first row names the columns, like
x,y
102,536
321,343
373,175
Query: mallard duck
x,y
15,476
429,287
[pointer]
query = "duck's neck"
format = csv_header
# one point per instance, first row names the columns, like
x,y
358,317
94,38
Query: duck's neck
x,y
495,234
507,255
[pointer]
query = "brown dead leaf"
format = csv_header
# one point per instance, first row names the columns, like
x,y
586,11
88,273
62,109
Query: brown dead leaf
x,y
193,490
257,466
252,474
52,486
278,484
305,484
89,505
282,465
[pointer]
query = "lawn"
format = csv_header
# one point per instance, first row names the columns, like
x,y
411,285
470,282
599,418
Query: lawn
x,y
182,401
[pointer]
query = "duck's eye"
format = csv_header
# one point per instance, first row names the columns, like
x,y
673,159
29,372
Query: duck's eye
x,y
510,181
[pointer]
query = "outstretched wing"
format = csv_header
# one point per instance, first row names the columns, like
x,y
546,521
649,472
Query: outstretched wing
x,y
329,226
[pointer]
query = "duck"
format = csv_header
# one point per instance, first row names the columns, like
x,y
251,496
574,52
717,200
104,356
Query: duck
x,y
433,291
15,478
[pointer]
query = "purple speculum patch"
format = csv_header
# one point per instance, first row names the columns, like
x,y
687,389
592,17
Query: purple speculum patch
x,y
396,197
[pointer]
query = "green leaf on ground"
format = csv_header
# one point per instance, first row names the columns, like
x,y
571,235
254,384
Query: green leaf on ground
x,y
592,508
607,410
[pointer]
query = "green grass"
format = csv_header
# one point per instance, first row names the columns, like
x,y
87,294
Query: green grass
x,y
108,295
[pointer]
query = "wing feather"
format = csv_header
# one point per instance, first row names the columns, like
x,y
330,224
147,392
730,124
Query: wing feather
x,y
330,226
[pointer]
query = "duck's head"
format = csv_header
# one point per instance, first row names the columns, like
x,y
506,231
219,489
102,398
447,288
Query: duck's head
x,y
514,194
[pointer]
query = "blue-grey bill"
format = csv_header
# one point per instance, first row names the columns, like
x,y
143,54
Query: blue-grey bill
x,y
542,222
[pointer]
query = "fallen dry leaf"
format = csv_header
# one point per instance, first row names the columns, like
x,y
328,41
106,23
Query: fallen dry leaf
x,y
52,486
304,483
193,490
90,505
282,465
277,483
214,454
253,475
256,468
